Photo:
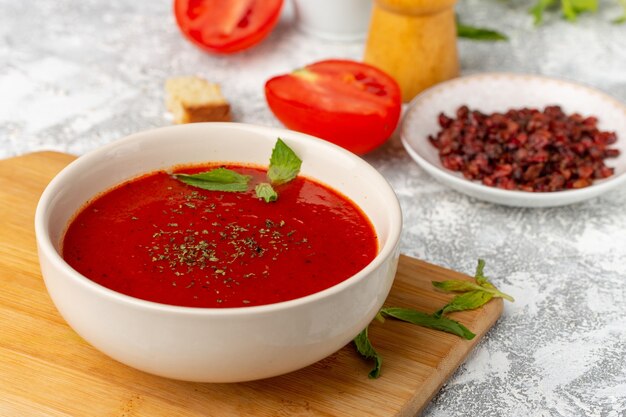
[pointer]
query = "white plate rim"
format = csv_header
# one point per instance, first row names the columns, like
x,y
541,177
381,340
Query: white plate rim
x,y
497,195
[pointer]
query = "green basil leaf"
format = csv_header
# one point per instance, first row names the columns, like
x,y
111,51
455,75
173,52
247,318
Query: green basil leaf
x,y
284,164
365,348
467,301
220,179
427,320
478,34
266,192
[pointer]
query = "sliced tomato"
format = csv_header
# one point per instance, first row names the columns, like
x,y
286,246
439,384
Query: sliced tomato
x,y
226,26
354,105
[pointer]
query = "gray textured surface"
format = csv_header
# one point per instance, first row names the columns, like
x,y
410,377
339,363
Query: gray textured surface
x,y
77,74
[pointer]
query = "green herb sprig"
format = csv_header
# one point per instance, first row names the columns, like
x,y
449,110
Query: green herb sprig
x,y
571,9
266,192
284,167
478,34
220,179
473,295
365,348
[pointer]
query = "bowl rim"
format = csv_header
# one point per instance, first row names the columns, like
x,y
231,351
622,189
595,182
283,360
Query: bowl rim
x,y
47,249
539,198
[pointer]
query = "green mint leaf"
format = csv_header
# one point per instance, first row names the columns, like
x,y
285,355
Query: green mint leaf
x,y
487,286
427,320
568,10
456,286
500,294
365,348
585,5
220,179
219,175
266,192
284,164
480,275
538,9
467,301
379,317
479,34
466,286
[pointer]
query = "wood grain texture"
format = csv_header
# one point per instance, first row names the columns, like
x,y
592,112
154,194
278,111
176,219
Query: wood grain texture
x,y
48,370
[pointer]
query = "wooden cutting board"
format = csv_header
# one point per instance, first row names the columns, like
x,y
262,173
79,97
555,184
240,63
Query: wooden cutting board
x,y
48,370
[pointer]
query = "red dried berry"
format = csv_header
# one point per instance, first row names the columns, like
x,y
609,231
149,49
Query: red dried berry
x,y
525,149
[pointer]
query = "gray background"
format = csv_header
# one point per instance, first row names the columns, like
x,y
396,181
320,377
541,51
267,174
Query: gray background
x,y
78,74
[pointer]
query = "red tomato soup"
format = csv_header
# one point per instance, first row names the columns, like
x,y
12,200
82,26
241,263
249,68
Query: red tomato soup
x,y
158,239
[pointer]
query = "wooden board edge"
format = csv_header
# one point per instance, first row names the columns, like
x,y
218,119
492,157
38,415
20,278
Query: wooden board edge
x,y
41,155
484,322
481,324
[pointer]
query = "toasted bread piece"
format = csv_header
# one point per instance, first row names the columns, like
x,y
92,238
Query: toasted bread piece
x,y
193,99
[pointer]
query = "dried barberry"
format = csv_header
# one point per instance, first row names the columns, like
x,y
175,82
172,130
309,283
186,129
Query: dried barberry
x,y
525,149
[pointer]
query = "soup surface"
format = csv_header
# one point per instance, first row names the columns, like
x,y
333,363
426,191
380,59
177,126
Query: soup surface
x,y
158,239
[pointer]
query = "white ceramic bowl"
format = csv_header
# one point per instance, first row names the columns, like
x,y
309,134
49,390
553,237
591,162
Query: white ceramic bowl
x,y
212,344
499,92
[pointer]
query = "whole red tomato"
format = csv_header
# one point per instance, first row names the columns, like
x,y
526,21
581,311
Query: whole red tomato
x,y
354,105
226,26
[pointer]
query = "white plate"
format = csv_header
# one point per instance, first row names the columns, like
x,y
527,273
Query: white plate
x,y
499,92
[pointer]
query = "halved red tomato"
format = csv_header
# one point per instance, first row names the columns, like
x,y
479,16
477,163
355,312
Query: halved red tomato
x,y
354,105
226,26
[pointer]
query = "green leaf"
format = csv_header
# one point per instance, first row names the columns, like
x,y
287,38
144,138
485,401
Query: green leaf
x,y
481,279
219,175
465,286
479,275
585,5
467,301
379,317
427,320
538,9
568,10
478,34
220,179
266,192
284,164
365,348
456,286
